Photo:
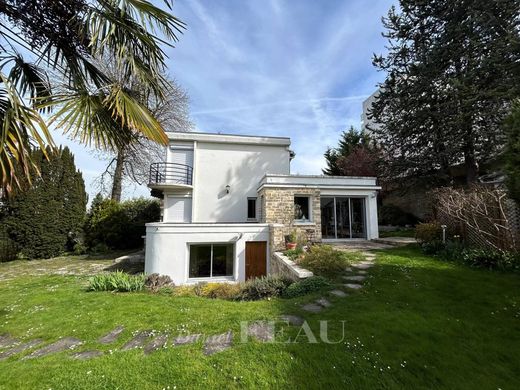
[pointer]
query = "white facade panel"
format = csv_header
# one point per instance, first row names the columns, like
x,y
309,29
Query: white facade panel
x,y
238,166
167,246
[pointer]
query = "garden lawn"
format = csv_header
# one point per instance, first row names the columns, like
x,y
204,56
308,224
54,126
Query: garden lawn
x,y
417,323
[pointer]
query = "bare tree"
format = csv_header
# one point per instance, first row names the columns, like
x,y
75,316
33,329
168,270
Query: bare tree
x,y
131,160
482,212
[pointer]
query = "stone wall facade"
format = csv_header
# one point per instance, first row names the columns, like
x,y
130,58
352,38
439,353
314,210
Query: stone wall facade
x,y
277,208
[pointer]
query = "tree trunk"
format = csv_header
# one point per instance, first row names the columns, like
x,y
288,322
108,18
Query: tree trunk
x,y
471,167
117,183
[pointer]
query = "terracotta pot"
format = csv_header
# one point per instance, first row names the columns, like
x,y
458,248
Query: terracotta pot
x,y
291,245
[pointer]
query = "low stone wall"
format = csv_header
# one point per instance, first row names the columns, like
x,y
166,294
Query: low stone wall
x,y
283,266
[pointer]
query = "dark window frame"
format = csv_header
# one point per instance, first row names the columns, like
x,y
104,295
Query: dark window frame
x,y
249,217
211,268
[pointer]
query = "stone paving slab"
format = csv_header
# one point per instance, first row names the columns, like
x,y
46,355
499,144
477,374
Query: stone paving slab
x,y
84,355
361,245
138,340
361,272
363,265
292,320
348,269
355,278
189,339
261,330
58,346
20,348
312,308
157,343
323,302
339,293
217,343
353,286
6,341
112,336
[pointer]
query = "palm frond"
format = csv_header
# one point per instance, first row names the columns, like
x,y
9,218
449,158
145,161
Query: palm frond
x,y
20,128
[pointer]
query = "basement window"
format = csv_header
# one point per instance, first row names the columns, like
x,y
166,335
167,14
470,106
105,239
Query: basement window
x,y
302,209
211,260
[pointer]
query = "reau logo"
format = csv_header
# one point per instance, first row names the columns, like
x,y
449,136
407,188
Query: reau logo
x,y
274,332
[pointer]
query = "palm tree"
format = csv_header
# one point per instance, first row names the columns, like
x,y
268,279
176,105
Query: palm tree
x,y
63,37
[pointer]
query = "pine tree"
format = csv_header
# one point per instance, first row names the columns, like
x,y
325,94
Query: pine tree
x,y
349,141
512,153
453,67
45,218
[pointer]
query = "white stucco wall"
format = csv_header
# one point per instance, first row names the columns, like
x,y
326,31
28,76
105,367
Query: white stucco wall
x,y
241,166
167,246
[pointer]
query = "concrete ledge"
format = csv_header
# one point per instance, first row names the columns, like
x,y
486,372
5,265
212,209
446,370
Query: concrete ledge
x,y
282,265
396,241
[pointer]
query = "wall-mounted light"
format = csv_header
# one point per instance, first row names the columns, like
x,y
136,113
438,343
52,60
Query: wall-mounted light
x,y
227,189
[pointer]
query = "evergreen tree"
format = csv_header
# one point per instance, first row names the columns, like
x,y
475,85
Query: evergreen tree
x,y
349,141
45,219
453,67
512,153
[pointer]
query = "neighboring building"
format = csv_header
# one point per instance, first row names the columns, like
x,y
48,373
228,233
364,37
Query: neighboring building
x,y
230,200
366,123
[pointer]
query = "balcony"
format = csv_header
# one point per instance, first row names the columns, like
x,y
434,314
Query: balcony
x,y
165,175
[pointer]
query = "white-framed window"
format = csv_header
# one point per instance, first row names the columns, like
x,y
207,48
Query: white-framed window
x,y
211,260
302,208
251,209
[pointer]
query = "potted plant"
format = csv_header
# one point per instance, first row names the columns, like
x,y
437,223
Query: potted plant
x,y
292,240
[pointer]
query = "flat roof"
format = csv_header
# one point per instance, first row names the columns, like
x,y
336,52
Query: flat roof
x,y
319,181
228,138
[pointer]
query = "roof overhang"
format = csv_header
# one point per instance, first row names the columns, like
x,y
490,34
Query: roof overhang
x,y
229,138
319,182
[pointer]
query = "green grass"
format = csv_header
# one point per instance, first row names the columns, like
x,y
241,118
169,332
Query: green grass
x,y
402,232
455,328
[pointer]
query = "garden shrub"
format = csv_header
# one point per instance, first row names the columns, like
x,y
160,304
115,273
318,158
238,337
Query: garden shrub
x,y
116,281
119,225
155,282
491,259
293,254
184,291
426,233
44,218
324,260
390,214
221,290
306,286
263,287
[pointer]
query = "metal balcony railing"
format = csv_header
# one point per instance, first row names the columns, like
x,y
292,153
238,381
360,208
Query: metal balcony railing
x,y
170,173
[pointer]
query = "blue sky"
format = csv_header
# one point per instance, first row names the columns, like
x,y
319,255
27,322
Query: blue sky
x,y
297,68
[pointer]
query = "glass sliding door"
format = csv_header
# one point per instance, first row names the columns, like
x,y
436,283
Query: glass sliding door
x,y
357,213
328,219
342,217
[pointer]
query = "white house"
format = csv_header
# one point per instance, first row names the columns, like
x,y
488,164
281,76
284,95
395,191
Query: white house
x,y
230,200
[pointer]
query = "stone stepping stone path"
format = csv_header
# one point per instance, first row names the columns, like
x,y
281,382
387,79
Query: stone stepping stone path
x,y
353,286
348,269
156,344
20,348
84,355
292,320
312,308
323,302
363,265
339,293
138,340
217,343
58,346
355,278
189,339
6,341
262,331
112,335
